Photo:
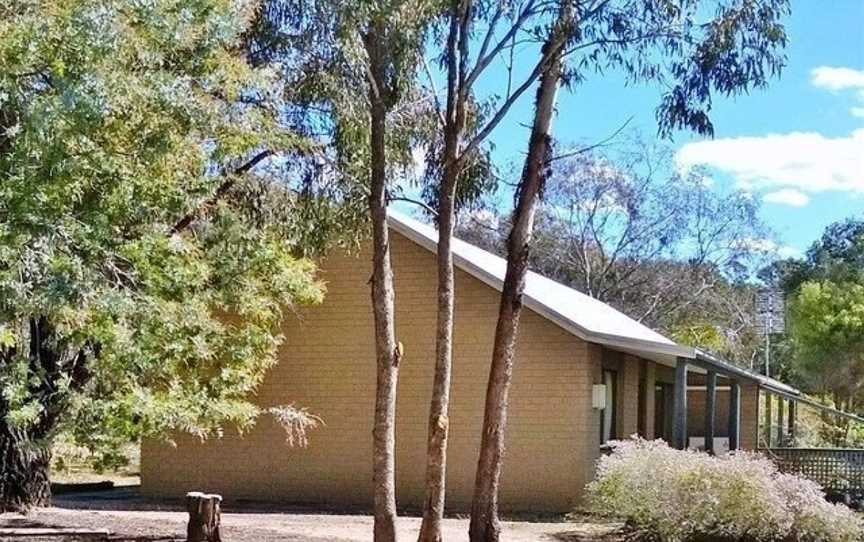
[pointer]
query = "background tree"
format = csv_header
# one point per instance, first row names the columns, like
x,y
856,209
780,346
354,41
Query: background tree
x,y
828,338
730,53
837,255
623,225
822,349
138,295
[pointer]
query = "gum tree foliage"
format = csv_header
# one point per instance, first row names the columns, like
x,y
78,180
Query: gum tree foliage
x,y
137,293
318,46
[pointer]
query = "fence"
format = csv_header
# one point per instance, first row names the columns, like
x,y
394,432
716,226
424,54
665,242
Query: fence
x,y
835,469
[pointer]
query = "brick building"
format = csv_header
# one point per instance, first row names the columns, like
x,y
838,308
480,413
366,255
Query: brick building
x,y
585,374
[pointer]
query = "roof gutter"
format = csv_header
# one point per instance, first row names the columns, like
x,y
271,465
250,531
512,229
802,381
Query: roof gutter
x,y
772,386
713,362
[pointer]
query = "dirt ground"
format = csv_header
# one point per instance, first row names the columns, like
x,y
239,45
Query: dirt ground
x,y
129,518
141,526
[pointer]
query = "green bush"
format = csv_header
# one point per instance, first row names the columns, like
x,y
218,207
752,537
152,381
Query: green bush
x,y
676,496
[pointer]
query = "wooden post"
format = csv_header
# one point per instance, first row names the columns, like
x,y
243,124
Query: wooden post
x,y
791,428
648,407
781,426
734,414
768,418
710,407
679,414
204,517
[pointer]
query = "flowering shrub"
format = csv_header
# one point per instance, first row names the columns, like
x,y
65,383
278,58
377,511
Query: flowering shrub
x,y
677,496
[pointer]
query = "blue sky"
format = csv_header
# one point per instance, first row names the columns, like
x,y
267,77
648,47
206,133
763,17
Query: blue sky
x,y
797,145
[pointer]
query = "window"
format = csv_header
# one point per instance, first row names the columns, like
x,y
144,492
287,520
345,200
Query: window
x,y
609,414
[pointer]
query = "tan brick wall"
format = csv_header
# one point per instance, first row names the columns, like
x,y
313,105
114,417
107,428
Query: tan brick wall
x,y
749,416
588,451
327,365
749,427
696,412
628,396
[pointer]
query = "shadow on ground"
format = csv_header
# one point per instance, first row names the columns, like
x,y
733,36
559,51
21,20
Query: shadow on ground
x,y
120,499
30,522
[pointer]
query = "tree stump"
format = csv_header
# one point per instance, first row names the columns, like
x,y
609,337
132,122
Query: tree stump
x,y
204,516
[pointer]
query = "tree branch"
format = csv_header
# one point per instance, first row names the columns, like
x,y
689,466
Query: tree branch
x,y
438,108
589,148
419,203
484,59
227,184
508,103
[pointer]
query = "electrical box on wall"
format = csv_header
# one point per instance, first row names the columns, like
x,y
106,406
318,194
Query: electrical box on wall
x,y
598,396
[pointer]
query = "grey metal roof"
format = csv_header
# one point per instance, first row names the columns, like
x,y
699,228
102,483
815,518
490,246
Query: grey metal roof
x,y
583,316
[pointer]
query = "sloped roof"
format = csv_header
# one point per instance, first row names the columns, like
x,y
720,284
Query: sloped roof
x,y
582,315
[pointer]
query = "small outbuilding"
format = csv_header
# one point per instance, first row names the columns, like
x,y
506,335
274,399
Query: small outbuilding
x,y
585,374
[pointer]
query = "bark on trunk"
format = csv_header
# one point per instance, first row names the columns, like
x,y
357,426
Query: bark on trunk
x,y
387,351
439,422
24,470
485,526
25,452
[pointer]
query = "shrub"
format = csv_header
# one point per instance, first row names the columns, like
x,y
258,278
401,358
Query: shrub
x,y
676,496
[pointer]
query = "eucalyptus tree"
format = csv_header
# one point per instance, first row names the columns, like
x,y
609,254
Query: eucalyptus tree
x,y
392,36
484,505
459,171
353,78
139,293
691,49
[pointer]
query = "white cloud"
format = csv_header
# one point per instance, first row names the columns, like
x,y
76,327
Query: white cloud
x,y
837,78
804,161
788,196
770,247
795,165
787,251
